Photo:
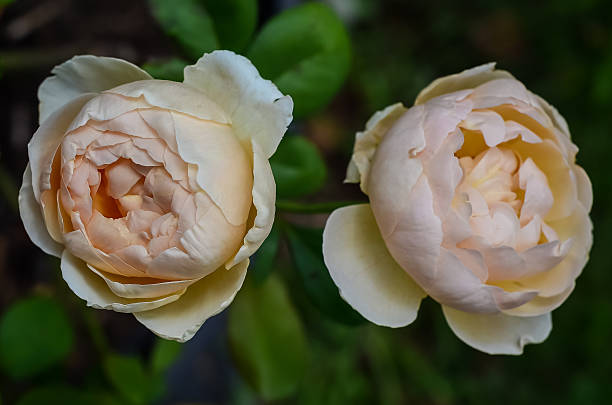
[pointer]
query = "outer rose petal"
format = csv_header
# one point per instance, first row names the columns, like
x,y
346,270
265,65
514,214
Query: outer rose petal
x,y
84,74
46,140
173,96
32,218
257,109
91,288
181,320
129,287
264,199
498,333
468,79
366,143
367,276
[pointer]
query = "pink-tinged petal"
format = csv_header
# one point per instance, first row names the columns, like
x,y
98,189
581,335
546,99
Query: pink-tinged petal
x,y
529,235
366,275
514,130
505,87
456,226
538,197
121,177
553,114
224,168
412,231
444,173
91,288
46,140
473,260
398,170
263,209
84,74
32,218
453,284
366,143
498,333
256,108
174,96
132,287
181,320
585,189
107,106
489,123
468,79
442,115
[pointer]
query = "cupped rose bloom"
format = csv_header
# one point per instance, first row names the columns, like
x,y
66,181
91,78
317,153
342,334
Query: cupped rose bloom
x,y
476,201
154,193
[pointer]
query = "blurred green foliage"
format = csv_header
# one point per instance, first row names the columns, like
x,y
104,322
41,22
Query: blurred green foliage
x,y
268,339
35,334
298,167
306,52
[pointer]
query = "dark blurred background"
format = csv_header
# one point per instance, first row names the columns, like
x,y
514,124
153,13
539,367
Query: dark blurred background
x,y
561,50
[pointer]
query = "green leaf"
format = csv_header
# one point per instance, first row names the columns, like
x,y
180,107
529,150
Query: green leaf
x,y
165,353
306,245
128,376
188,23
306,52
65,395
202,26
267,339
35,334
234,21
266,254
171,69
298,167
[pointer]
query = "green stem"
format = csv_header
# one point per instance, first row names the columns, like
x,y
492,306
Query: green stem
x,y
312,208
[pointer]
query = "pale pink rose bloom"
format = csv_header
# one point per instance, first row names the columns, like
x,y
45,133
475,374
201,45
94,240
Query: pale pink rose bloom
x,y
154,193
476,201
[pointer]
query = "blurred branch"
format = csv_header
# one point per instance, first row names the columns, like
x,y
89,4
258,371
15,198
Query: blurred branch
x,y
35,18
312,208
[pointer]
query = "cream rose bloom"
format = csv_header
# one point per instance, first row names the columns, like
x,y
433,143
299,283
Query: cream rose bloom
x,y
154,193
476,201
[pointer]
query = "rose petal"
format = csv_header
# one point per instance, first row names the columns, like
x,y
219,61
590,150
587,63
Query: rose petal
x,y
131,287
468,79
498,333
224,170
366,275
32,218
366,143
257,109
84,74
91,288
264,198
209,296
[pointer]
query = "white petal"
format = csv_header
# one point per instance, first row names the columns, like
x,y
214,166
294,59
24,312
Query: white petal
x,y
32,218
366,143
224,170
91,288
181,320
84,74
367,276
264,199
131,287
257,109
498,333
489,123
468,79
46,140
